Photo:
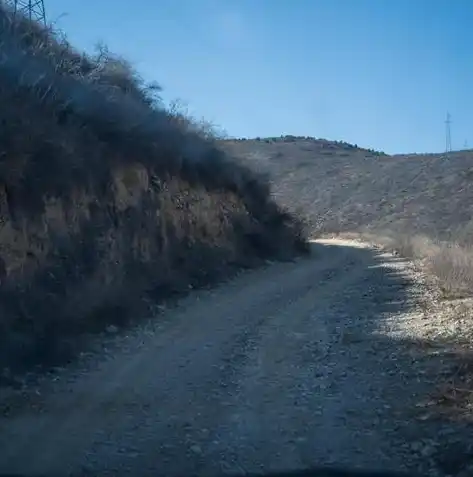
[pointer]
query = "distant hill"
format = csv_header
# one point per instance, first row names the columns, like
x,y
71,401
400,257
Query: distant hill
x,y
341,187
421,204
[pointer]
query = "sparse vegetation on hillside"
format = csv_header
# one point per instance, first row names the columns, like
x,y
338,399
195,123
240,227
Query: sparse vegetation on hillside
x,y
320,143
420,204
106,197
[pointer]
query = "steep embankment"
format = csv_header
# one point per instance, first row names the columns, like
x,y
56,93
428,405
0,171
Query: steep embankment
x,y
105,197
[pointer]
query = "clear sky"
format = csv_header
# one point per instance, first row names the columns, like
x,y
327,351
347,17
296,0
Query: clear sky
x,y
379,73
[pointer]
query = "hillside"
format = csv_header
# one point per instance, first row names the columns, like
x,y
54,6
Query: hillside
x,y
423,202
107,199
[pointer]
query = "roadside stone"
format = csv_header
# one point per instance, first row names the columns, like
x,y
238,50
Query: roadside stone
x,y
196,449
112,329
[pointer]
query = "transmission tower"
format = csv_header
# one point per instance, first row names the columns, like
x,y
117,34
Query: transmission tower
x,y
32,9
448,137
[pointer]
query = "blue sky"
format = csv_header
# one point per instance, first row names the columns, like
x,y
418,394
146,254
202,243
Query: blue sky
x,y
379,73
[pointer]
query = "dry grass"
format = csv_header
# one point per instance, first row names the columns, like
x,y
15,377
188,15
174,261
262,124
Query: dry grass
x,y
105,197
449,262
453,265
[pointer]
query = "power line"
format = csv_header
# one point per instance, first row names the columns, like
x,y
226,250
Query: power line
x,y
31,9
448,134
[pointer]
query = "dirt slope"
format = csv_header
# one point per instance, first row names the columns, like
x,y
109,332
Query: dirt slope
x,y
308,363
107,199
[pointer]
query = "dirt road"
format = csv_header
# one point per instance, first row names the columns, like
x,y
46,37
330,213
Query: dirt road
x,y
290,366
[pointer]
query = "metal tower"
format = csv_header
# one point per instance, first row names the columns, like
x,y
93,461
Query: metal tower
x,y
32,9
448,137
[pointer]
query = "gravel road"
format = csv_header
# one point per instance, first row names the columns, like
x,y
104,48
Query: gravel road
x,y
290,366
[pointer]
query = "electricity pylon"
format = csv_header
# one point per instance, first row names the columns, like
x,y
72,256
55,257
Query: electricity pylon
x,y
32,9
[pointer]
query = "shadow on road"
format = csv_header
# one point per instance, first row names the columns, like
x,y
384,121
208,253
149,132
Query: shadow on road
x,y
437,412
299,364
